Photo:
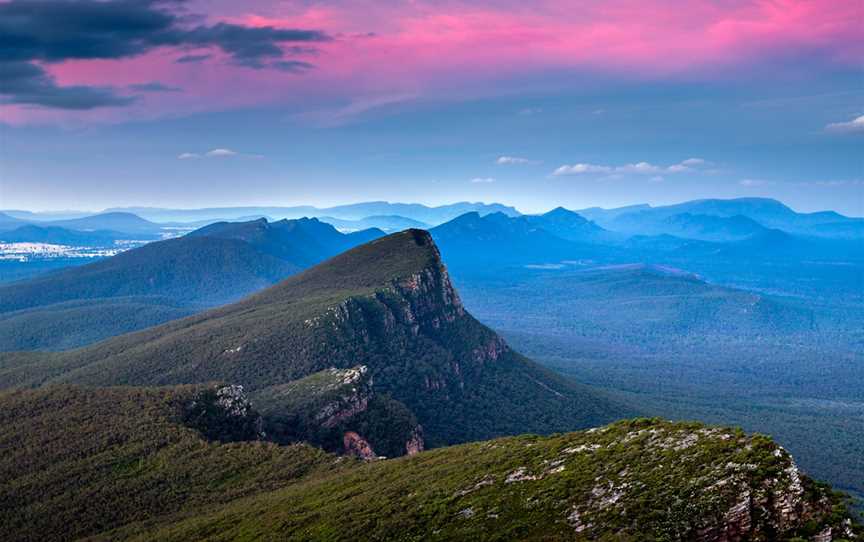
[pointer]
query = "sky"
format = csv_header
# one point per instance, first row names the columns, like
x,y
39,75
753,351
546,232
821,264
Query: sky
x,y
198,103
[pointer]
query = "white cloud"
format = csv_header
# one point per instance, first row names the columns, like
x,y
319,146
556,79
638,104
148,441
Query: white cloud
x,y
690,162
641,168
854,125
514,160
215,153
755,182
657,179
221,152
578,169
482,180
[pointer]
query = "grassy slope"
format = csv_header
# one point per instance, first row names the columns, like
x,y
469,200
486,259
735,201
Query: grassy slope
x,y
78,461
118,463
641,482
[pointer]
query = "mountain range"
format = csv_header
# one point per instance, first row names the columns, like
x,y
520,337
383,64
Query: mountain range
x,y
693,217
387,305
355,211
236,421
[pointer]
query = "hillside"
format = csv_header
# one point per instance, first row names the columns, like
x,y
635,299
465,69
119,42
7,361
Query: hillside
x,y
387,305
123,222
387,223
769,213
188,463
570,226
475,243
214,265
32,233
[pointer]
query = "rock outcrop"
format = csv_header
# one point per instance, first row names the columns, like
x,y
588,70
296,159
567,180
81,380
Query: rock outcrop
x,y
355,445
224,413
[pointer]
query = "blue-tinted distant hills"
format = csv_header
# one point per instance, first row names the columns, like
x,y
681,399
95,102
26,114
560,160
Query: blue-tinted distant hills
x,y
387,223
32,233
8,222
723,219
356,211
472,242
217,264
120,222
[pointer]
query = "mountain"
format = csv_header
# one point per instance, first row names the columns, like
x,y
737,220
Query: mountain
x,y
121,222
8,222
387,306
214,265
766,212
192,463
689,226
416,211
472,243
569,225
356,211
387,223
62,236
304,241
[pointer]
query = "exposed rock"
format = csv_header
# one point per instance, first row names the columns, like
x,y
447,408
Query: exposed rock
x,y
225,414
354,444
415,443
519,475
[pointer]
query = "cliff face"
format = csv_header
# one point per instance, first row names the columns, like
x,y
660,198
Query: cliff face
x,y
340,410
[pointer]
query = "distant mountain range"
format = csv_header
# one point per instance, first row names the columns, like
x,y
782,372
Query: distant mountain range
x,y
63,236
473,242
387,223
356,211
214,265
702,219
127,223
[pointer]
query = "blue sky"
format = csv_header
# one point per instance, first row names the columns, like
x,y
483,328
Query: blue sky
x,y
782,126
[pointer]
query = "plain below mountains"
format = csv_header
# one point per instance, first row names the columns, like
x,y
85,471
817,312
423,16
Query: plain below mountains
x,y
162,281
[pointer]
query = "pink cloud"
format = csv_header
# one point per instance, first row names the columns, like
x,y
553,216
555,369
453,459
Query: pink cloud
x,y
461,48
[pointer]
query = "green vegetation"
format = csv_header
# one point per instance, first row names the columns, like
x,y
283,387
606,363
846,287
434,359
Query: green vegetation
x,y
77,461
675,346
119,463
387,305
162,281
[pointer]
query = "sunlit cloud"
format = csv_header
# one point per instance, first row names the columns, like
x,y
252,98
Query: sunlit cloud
x,y
216,153
854,125
638,168
514,160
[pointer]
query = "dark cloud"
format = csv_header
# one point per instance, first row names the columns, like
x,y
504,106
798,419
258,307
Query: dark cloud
x,y
293,66
187,59
154,86
27,83
46,31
